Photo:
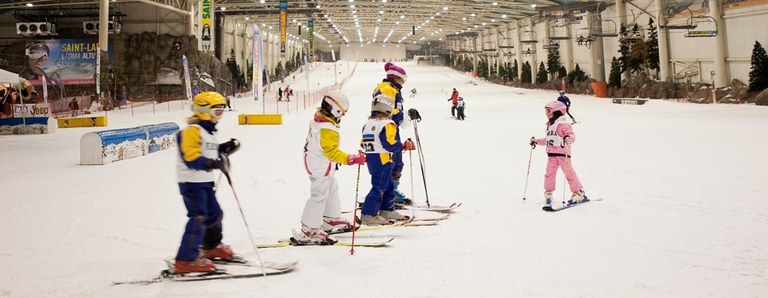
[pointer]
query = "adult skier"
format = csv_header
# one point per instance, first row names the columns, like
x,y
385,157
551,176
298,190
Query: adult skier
x,y
322,211
200,154
560,137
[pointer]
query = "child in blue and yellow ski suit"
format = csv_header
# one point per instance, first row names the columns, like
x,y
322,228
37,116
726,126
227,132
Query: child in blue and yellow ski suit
x,y
200,154
391,87
379,142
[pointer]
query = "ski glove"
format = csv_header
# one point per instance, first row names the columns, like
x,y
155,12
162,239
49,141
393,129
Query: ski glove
x,y
356,159
229,147
213,164
408,145
414,114
533,142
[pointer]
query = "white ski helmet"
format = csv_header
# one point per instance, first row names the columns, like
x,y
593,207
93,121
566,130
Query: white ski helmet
x,y
336,103
382,103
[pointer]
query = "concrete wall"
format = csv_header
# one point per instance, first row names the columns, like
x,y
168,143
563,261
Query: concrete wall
x,y
744,24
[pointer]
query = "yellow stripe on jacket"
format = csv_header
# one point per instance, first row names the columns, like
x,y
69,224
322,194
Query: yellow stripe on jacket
x,y
390,130
329,140
190,143
387,89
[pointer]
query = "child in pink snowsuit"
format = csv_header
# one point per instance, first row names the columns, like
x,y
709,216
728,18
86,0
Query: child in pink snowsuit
x,y
559,138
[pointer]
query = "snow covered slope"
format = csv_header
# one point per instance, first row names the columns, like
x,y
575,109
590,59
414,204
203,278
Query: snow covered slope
x,y
684,215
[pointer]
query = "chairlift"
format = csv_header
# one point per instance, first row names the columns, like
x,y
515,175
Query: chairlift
x,y
687,26
489,46
529,51
584,36
529,37
507,47
559,33
608,29
710,29
633,34
509,52
551,46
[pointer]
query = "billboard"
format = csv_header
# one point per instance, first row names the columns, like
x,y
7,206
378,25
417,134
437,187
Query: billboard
x,y
311,36
206,17
61,62
283,21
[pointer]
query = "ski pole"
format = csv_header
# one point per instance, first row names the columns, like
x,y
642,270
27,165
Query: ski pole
x,y
528,173
354,218
410,165
247,228
421,160
565,164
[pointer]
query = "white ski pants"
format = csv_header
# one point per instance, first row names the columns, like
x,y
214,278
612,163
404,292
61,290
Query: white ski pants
x,y
323,201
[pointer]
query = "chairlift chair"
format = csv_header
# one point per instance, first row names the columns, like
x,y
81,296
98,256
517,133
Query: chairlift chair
x,y
559,34
528,37
529,51
687,26
610,25
489,46
551,46
632,35
708,31
584,36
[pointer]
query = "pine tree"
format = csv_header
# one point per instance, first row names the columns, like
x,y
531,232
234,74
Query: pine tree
x,y
614,79
623,49
515,69
638,54
562,72
758,74
231,64
525,76
577,75
541,76
553,61
652,46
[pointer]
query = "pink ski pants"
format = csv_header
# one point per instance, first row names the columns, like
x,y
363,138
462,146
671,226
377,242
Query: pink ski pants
x,y
554,162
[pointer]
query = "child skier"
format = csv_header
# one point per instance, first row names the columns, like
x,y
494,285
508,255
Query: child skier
x,y
460,108
199,154
391,87
560,137
567,102
380,142
322,211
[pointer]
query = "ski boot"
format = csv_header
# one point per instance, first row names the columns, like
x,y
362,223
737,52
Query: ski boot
x,y
400,199
311,236
370,220
548,199
578,197
198,265
336,225
221,252
393,215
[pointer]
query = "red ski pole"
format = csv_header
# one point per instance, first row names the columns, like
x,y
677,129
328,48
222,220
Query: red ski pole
x,y
354,218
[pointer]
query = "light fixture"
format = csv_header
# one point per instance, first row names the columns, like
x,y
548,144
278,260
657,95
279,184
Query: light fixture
x,y
494,3
504,16
352,6
463,19
247,18
381,12
223,8
445,7
30,5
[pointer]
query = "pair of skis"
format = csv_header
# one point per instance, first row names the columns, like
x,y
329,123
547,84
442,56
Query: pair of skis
x,y
239,268
568,206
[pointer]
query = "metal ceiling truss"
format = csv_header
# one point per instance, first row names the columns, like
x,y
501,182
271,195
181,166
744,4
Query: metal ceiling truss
x,y
432,20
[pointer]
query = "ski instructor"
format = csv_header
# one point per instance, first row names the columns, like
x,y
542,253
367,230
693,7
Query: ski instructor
x,y
391,86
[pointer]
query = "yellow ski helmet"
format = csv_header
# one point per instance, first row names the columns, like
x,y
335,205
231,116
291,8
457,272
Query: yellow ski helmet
x,y
209,105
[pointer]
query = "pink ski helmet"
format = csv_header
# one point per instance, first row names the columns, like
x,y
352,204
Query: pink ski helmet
x,y
555,105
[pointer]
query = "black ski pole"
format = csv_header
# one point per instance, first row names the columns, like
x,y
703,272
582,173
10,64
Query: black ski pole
x,y
225,159
421,160
528,173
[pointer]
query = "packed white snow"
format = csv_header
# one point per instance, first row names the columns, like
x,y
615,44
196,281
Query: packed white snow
x,y
684,211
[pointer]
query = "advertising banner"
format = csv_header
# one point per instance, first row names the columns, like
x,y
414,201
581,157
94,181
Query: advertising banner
x,y
206,17
187,83
61,61
283,14
31,110
257,64
311,35
45,90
